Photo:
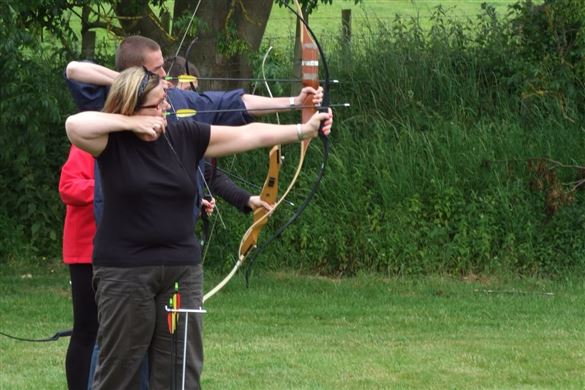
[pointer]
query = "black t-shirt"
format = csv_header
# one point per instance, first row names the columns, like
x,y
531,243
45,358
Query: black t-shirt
x,y
149,191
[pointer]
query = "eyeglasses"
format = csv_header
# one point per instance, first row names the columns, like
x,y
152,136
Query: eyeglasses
x,y
158,106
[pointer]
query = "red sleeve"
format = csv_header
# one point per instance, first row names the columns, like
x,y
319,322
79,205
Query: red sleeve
x,y
77,181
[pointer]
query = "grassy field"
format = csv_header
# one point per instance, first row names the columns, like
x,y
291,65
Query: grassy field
x,y
289,331
326,20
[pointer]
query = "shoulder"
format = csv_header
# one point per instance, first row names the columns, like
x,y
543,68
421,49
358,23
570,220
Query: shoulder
x,y
190,132
182,95
87,97
188,126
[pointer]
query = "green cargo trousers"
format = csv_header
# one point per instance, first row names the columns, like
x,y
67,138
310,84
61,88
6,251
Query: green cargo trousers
x,y
133,321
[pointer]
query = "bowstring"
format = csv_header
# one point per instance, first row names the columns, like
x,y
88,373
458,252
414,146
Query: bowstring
x,y
185,34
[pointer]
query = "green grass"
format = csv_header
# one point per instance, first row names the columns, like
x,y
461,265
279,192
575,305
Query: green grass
x,y
289,331
326,19
34,304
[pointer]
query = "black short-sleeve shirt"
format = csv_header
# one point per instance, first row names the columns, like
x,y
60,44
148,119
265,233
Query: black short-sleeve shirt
x,y
149,191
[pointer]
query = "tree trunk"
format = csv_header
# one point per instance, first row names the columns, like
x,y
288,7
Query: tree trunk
x,y
228,32
136,17
224,25
87,36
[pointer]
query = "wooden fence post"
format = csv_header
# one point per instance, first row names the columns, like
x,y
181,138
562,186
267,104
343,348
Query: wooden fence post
x,y
346,26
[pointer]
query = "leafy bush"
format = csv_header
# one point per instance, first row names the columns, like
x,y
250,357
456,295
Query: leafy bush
x,y
33,145
430,171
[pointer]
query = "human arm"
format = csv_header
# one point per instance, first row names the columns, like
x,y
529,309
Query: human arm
x,y
87,96
261,105
76,183
226,140
89,130
222,186
88,72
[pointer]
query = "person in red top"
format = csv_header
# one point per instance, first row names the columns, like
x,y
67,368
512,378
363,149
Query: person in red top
x,y
76,188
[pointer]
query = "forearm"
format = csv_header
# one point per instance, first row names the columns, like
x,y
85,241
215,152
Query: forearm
x,y
222,186
89,130
87,72
260,105
226,140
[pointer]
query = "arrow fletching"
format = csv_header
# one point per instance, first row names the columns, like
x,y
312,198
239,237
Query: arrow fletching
x,y
182,113
183,78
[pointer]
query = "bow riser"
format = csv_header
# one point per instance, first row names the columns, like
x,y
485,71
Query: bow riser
x,y
269,195
310,76
310,54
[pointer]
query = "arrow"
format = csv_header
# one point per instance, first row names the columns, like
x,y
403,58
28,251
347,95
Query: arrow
x,y
189,112
186,78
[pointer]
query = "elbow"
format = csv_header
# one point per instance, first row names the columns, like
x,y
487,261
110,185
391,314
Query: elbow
x,y
72,129
71,69
64,193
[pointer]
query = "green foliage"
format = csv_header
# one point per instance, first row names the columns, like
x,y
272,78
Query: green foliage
x,y
230,43
33,145
412,187
429,170
308,6
550,40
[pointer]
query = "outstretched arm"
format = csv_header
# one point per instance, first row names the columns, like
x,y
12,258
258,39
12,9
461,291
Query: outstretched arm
x,y
225,140
261,105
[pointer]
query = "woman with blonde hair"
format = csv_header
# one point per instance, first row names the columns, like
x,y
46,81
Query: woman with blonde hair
x,y
145,242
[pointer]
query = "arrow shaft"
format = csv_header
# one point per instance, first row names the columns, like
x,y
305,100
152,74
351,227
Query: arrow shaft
x,y
189,78
187,112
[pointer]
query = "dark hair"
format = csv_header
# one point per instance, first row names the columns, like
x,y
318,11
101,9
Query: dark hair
x,y
131,51
178,66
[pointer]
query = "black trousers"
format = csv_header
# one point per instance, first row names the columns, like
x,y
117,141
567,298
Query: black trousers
x,y
85,326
